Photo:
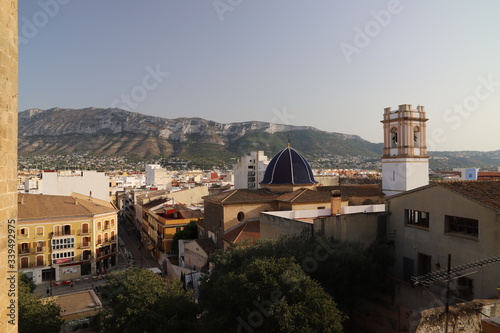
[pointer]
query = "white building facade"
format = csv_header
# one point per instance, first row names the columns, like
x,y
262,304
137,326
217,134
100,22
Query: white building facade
x,y
249,170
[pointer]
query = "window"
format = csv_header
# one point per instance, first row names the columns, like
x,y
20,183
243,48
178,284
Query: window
x,y
106,237
112,222
394,137
99,239
63,243
98,225
24,248
416,218
57,230
106,224
67,229
112,235
39,231
241,216
23,232
462,225
85,241
416,137
39,261
40,246
85,228
25,262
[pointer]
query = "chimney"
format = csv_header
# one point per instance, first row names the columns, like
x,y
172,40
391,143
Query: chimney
x,y
336,202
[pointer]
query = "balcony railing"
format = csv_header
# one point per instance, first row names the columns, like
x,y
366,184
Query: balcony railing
x,y
83,245
24,250
39,249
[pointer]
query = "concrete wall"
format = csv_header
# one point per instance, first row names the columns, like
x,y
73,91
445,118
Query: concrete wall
x,y
410,241
8,164
88,181
272,226
189,196
359,227
194,255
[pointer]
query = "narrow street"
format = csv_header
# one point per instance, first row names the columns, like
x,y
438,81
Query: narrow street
x,y
130,237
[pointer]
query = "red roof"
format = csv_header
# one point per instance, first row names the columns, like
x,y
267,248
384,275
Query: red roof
x,y
249,230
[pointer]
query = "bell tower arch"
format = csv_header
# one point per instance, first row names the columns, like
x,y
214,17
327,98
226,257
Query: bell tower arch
x,y
405,163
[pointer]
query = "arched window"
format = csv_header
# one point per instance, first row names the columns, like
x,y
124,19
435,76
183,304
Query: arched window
x,y
99,239
25,262
394,137
98,225
106,239
39,231
112,235
416,137
85,228
106,224
112,223
57,230
40,260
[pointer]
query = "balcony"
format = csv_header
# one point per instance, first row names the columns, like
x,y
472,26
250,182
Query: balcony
x,y
83,245
39,249
83,232
25,251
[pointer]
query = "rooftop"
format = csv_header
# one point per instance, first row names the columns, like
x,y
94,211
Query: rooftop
x,y
39,206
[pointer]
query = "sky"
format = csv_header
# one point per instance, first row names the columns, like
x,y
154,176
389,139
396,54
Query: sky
x,y
332,65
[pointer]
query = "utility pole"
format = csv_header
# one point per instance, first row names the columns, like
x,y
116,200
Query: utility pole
x,y
447,306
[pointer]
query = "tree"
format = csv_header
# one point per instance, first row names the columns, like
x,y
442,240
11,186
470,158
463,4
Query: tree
x,y
347,271
141,301
267,295
190,231
36,314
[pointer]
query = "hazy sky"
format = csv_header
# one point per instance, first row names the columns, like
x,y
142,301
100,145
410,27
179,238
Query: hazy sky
x,y
333,65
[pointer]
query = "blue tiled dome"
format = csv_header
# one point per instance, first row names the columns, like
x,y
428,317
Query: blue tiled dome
x,y
288,167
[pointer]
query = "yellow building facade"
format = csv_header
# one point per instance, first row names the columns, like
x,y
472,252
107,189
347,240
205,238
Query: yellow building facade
x,y
62,238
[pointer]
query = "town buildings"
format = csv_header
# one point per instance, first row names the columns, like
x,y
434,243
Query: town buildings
x,y
249,170
65,237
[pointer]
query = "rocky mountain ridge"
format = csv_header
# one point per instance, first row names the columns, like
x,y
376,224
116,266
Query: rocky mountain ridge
x,y
116,131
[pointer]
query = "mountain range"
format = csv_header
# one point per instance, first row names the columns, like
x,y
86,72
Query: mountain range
x,y
116,132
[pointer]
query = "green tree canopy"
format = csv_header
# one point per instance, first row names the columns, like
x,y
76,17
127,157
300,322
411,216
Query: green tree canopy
x,y
36,314
141,301
190,231
347,271
267,295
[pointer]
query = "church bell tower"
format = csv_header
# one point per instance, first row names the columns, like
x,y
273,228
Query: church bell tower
x,y
405,163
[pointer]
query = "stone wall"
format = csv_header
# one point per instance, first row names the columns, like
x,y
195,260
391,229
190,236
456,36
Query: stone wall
x,y
8,164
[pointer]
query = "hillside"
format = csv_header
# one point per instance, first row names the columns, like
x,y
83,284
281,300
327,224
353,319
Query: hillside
x,y
116,132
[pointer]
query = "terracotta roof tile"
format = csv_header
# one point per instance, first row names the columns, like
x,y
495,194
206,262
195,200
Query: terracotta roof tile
x,y
304,195
37,206
355,190
242,196
486,192
249,230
